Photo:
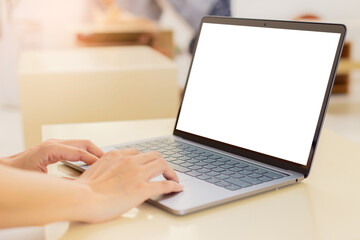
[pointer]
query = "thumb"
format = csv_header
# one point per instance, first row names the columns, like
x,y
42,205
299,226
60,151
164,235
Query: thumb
x,y
163,187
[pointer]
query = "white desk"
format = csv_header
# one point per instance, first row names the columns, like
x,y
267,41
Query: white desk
x,y
324,206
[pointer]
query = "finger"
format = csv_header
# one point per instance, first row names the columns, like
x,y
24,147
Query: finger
x,y
113,158
129,151
144,158
160,166
83,144
70,153
117,155
163,187
93,149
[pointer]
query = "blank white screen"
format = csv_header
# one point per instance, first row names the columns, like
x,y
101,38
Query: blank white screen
x,y
258,88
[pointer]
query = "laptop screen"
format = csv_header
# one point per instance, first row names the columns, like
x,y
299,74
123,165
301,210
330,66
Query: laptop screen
x,y
258,88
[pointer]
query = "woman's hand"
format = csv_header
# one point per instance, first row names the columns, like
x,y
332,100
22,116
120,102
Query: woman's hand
x,y
51,151
120,180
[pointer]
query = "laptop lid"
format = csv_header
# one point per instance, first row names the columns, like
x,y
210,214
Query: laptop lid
x,y
260,88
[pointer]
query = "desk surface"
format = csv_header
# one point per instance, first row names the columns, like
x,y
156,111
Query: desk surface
x,y
324,206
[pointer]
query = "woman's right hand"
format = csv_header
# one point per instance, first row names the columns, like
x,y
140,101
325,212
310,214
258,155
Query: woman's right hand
x,y
120,180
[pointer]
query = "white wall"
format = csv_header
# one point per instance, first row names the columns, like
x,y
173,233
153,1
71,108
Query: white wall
x,y
284,9
339,11
34,24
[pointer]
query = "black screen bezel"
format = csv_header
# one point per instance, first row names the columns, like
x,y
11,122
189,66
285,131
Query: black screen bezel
x,y
278,162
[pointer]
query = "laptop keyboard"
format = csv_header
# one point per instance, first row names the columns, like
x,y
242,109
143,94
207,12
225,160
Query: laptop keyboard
x,y
221,170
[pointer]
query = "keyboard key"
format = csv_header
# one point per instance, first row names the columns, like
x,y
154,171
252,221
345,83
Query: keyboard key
x,y
212,180
185,153
200,163
222,184
227,172
241,165
255,175
186,164
212,174
193,161
273,175
177,155
260,171
168,153
203,170
170,159
182,146
203,177
237,175
200,158
218,169
146,145
245,172
226,166
207,154
184,158
217,163
192,155
170,148
251,168
178,162
253,181
209,166
215,157
221,177
161,146
235,169
233,187
165,155
179,168
191,149
238,182
158,149
193,173
194,167
265,179
232,162
224,159
209,160
199,151
177,150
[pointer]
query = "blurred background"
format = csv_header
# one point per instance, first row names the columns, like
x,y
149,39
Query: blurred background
x,y
55,56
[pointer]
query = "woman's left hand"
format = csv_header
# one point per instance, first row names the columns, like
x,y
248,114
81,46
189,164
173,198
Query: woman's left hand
x,y
51,151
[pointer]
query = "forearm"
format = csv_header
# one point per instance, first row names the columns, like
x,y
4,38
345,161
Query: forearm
x,y
28,198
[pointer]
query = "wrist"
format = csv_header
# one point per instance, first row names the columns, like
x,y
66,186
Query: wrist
x,y
84,205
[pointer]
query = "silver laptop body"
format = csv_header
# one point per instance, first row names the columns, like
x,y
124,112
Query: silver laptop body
x,y
252,110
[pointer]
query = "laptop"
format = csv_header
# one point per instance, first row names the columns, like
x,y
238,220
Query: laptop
x,y
252,110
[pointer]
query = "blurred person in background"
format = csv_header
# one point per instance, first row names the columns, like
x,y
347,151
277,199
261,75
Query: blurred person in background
x,y
194,11
191,11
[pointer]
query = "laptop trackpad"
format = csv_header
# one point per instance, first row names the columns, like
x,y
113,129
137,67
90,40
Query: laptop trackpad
x,y
196,193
